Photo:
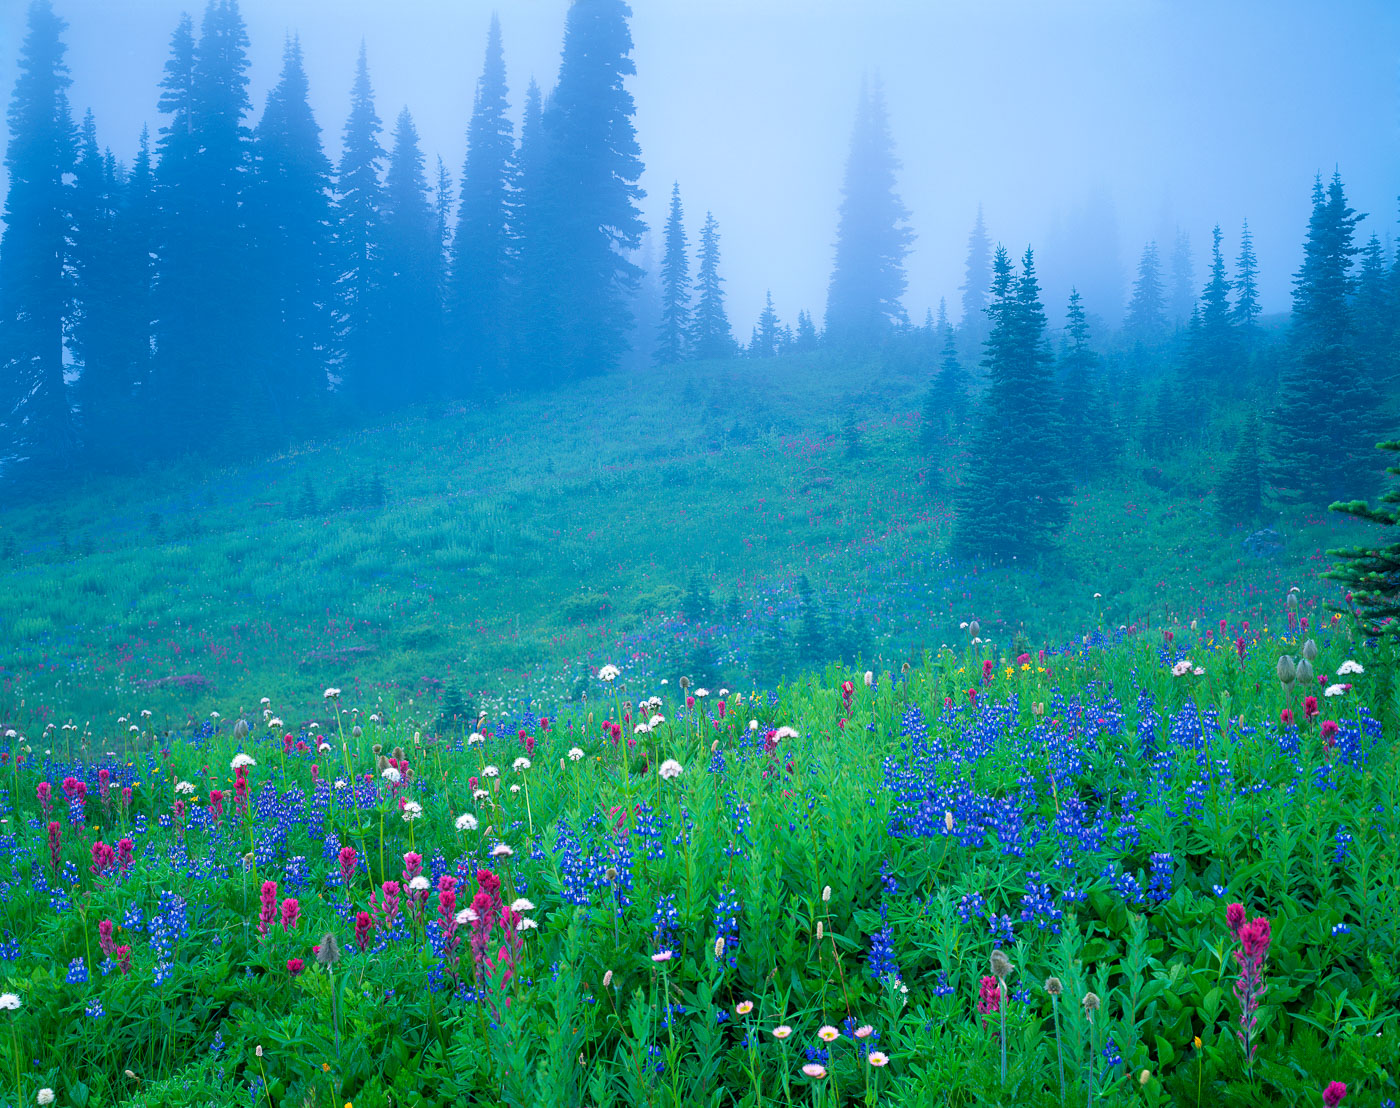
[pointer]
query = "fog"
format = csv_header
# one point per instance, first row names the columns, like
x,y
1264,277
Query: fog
x,y
1084,127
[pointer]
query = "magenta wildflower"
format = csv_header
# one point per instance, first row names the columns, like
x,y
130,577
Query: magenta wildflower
x,y
124,854
55,844
348,860
364,924
267,906
44,791
104,938
988,997
291,913
295,966
1333,1094
103,857
1254,938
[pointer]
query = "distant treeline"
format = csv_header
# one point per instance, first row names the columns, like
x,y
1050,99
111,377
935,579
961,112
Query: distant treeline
x,y
232,287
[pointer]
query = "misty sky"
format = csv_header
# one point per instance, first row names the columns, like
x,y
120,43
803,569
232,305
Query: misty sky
x,y
1052,113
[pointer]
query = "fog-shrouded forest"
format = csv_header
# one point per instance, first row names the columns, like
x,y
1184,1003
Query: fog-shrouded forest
x,y
673,554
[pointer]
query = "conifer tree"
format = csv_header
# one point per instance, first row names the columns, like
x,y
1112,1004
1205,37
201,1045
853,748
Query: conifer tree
x,y
478,287
711,336
1246,310
35,422
1371,574
1318,449
1183,279
977,278
360,242
533,310
1084,411
293,241
1239,497
1145,309
949,396
671,343
1217,333
806,338
1014,498
1374,313
412,258
591,212
867,282
767,334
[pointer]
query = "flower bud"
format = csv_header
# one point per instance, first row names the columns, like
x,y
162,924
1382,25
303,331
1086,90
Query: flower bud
x,y
1000,965
1304,671
1053,986
1310,650
1287,672
607,979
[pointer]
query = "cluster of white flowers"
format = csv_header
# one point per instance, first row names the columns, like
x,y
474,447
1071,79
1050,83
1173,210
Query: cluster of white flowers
x,y
520,905
331,694
418,884
480,794
1350,667
785,733
184,788
575,753
700,694
240,760
490,771
651,705
608,673
520,765
670,769
9,1002
466,916
391,775
411,810
1186,666
475,738
500,850
276,723
656,720
1334,690
640,729
466,822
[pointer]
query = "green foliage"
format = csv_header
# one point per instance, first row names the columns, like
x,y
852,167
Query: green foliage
x,y
1371,573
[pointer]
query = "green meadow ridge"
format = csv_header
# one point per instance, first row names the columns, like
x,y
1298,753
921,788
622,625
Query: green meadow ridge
x,y
668,519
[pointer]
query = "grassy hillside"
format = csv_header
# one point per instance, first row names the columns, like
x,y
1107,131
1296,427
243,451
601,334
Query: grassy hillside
x,y
495,554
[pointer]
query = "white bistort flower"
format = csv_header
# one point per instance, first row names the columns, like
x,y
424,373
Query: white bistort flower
x,y
670,769
575,753
608,673
330,694
520,765
490,771
391,775
466,822
411,810
1350,667
241,760
9,1002
1335,690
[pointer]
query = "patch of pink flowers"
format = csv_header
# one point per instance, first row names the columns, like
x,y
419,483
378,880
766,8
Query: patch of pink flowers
x,y
1254,937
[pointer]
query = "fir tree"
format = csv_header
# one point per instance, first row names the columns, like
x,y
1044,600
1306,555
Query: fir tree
x,y
533,310
1145,309
977,278
711,336
948,400
1374,312
1217,333
294,246
35,423
1084,411
675,287
766,334
806,338
872,239
360,239
1371,574
1239,497
1183,277
1246,310
478,287
412,260
1014,499
591,213
1317,449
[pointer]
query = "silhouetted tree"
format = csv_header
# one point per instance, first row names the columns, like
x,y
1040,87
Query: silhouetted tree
x,y
711,336
360,239
767,334
1145,309
1087,425
294,250
411,269
806,338
1325,417
675,287
1217,329
479,285
1239,497
867,283
977,276
591,189
1183,278
1246,310
1014,498
1371,574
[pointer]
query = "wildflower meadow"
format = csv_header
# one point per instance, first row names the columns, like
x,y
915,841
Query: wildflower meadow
x,y
1143,868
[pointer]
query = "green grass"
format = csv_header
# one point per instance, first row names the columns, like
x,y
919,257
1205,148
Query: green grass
x,y
524,544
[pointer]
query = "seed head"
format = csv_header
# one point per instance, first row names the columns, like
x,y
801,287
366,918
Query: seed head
x,y
1310,651
719,948
1287,672
1001,965
1053,986
328,954
1091,1004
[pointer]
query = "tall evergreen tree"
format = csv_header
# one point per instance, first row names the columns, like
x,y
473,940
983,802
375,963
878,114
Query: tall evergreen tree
x,y
1084,411
412,259
360,242
1145,309
977,276
203,341
1246,310
1014,499
711,336
478,287
1183,278
533,312
293,240
35,422
1217,334
672,337
867,283
806,338
768,332
591,212
949,397
109,319
1374,311
1318,449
